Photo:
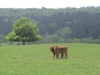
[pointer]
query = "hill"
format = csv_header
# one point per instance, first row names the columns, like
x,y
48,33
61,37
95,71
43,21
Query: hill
x,y
83,22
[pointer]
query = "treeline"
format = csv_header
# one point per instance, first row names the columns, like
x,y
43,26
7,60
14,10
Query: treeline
x,y
64,23
56,39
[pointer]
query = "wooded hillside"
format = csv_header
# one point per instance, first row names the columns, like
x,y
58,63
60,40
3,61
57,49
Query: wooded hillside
x,y
78,22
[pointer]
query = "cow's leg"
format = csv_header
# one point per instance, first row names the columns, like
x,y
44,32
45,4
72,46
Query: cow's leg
x,y
66,55
62,54
57,55
53,55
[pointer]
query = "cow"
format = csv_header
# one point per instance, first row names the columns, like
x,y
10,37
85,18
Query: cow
x,y
56,50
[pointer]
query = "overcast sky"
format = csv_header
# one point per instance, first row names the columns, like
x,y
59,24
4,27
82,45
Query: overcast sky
x,y
47,3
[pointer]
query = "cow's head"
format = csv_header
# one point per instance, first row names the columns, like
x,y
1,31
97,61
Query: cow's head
x,y
55,47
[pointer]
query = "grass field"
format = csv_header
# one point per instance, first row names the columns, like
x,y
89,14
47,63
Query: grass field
x,y
84,59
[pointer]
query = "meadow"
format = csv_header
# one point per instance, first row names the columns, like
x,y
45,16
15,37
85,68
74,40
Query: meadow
x,y
37,59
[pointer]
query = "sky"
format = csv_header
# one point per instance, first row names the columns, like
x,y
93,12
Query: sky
x,y
47,3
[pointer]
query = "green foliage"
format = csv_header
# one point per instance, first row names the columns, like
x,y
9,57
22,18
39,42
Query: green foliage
x,y
2,38
51,39
84,59
83,22
84,40
56,39
65,33
12,36
24,30
75,40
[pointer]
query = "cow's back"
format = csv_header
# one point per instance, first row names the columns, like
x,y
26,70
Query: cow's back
x,y
63,49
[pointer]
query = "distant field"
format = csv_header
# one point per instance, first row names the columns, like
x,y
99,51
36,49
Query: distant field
x,y
84,59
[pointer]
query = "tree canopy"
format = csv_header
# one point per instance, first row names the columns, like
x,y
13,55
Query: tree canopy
x,y
67,22
24,30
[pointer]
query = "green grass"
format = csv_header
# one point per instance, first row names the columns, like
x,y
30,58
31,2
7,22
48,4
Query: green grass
x,y
84,59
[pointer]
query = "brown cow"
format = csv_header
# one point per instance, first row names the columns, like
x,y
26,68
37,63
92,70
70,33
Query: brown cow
x,y
61,49
56,50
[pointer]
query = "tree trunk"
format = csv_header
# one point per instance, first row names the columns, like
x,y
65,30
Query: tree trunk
x,y
23,42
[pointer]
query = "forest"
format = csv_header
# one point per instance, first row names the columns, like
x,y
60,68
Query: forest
x,y
56,25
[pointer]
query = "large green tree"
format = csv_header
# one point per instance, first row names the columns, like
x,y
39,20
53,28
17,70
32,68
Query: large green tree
x,y
24,30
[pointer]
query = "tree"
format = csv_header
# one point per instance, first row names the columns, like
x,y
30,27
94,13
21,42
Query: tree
x,y
52,39
65,33
2,38
24,30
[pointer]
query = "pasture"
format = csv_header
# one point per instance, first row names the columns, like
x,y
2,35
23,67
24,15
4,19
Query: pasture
x,y
84,59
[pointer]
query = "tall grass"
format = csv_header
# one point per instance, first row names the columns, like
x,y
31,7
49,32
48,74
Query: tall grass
x,y
84,59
